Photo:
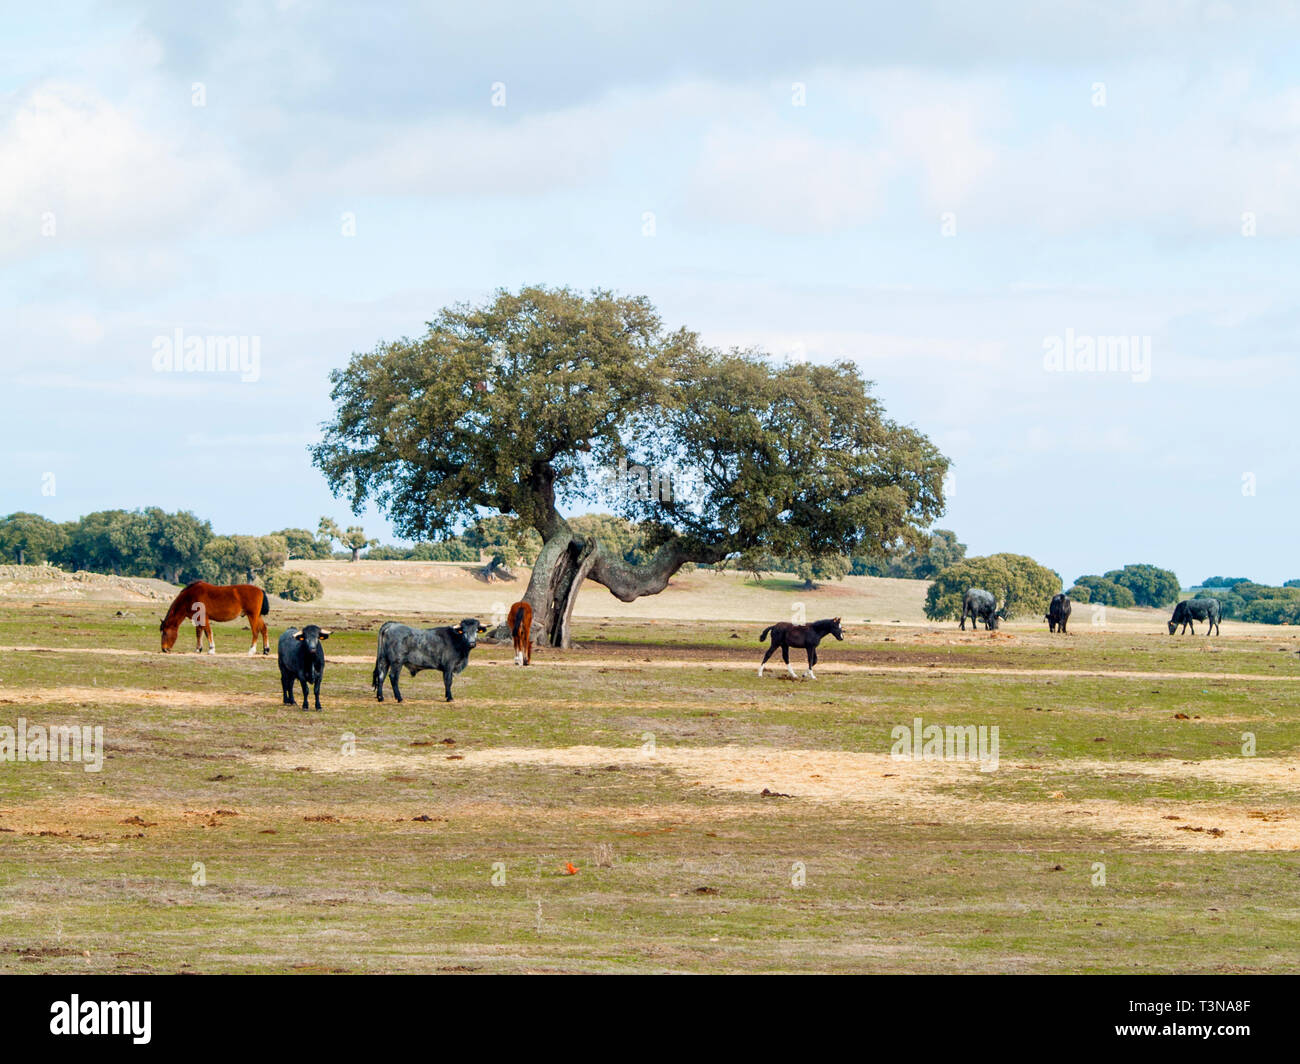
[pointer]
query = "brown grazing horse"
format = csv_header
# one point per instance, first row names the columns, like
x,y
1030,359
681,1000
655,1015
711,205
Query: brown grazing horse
x,y
520,619
204,603
786,635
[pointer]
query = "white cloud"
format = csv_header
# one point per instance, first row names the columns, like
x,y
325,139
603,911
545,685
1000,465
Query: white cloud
x,y
71,157
788,181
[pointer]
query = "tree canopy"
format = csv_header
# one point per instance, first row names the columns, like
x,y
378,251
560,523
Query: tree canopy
x,y
545,398
1103,592
936,551
1021,586
1150,585
30,538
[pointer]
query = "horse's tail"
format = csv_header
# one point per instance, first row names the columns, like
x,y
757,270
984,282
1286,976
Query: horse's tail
x,y
765,631
266,603
517,619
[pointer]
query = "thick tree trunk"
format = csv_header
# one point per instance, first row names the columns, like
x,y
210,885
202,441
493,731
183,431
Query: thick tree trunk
x,y
558,573
566,560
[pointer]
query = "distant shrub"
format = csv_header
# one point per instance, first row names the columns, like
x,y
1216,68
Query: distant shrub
x,y
1230,605
1102,591
1225,581
294,586
1150,585
448,550
1272,611
1021,586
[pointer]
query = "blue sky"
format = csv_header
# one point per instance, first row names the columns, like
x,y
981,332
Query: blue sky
x,y
1101,171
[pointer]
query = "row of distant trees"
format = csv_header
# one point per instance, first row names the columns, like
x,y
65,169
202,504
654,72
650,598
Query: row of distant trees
x,y
1242,599
922,559
1133,585
177,547
1146,585
1025,588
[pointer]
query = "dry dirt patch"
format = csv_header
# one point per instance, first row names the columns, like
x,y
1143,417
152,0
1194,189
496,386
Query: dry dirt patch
x,y
906,788
122,696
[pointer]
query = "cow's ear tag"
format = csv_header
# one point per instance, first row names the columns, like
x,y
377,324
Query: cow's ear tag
x,y
298,637
460,629
324,635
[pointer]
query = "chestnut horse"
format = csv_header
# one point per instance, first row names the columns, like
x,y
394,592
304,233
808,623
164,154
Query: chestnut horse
x,y
520,619
204,603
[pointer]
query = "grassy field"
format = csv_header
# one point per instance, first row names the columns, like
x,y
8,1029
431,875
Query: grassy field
x,y
228,832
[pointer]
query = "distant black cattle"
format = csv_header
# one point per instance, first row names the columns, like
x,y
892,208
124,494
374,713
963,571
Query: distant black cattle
x,y
1058,613
416,649
980,606
302,660
1190,610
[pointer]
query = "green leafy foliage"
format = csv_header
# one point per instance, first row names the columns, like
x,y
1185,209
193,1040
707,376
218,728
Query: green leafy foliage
x,y
1100,590
242,559
297,587
30,539
303,544
1225,581
1151,586
813,571
1256,603
548,397
506,537
936,551
1021,586
1272,611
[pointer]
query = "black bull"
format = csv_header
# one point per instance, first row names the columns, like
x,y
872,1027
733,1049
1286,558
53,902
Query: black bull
x,y
1058,613
416,649
1190,610
979,605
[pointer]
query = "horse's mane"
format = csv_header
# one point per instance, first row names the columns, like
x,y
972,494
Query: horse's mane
x,y
179,603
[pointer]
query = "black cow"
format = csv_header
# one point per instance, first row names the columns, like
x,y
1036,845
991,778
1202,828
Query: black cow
x,y
444,649
1058,613
302,660
981,606
1190,610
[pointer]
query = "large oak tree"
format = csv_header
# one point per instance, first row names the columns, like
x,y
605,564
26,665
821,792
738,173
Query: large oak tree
x,y
546,399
